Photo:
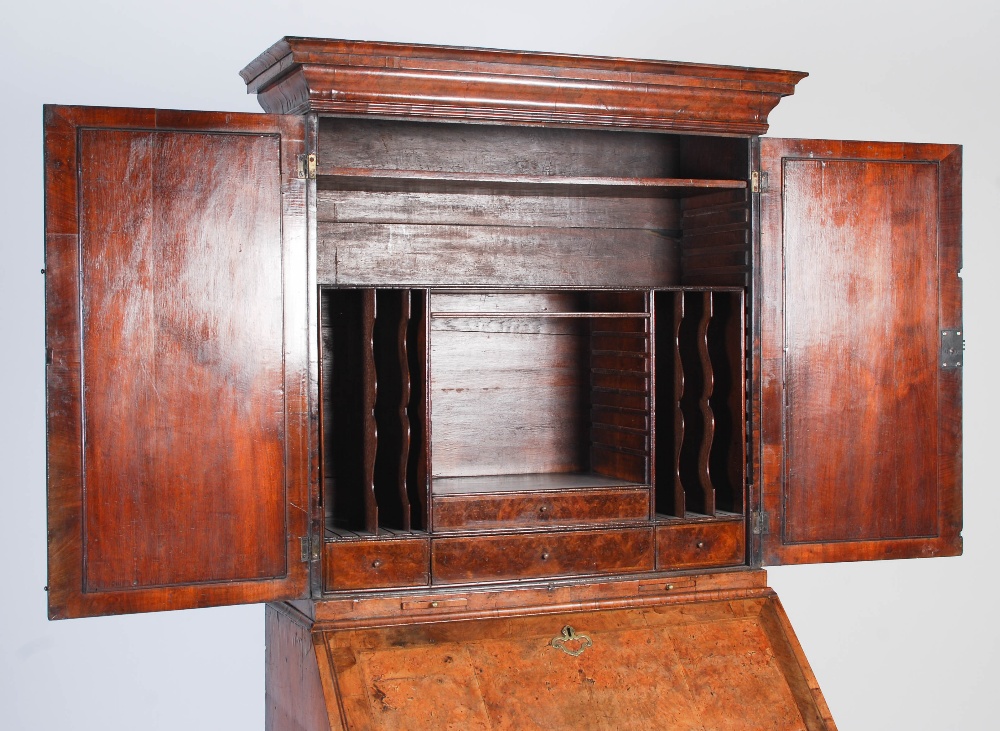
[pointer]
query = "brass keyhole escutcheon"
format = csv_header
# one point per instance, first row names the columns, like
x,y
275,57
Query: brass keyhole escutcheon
x,y
570,642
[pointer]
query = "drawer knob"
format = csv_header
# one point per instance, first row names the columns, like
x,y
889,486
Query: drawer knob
x,y
377,563
700,544
545,555
543,509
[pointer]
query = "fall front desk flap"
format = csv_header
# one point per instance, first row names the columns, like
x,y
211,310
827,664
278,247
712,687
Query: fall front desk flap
x,y
699,666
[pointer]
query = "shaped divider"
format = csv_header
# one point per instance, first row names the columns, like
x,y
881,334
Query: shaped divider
x,y
700,395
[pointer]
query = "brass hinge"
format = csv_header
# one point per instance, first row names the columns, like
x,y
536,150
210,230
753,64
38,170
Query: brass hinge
x,y
758,182
307,167
310,549
952,345
760,523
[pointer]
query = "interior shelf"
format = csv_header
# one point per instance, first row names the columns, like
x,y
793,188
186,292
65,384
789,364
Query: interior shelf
x,y
389,180
692,517
581,315
343,534
549,481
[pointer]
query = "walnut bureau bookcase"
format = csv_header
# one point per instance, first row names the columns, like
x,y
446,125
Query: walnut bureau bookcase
x,y
499,376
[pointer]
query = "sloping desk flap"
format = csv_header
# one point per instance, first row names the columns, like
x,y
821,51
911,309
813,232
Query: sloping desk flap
x,y
705,666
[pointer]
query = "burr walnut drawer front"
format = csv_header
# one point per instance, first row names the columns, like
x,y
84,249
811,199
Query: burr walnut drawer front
x,y
376,564
533,555
571,507
700,545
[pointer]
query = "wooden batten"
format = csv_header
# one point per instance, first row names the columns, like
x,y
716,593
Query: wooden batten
x,y
299,75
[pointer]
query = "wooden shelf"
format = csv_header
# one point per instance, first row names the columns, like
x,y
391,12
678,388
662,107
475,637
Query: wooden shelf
x,y
525,314
690,517
492,484
386,180
333,533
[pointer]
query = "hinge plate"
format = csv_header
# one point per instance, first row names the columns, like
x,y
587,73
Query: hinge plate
x,y
309,549
758,182
952,347
760,523
307,167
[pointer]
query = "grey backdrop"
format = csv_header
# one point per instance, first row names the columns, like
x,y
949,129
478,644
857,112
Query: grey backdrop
x,y
896,644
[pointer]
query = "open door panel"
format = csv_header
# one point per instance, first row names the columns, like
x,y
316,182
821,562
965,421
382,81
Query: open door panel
x,y
858,295
700,664
177,359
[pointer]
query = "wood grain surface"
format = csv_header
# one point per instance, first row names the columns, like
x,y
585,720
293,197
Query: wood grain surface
x,y
297,75
703,666
177,436
867,237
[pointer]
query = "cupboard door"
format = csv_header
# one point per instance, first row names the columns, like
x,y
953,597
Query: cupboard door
x,y
859,300
177,359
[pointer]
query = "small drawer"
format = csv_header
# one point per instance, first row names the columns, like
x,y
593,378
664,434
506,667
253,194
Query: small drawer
x,y
375,564
534,555
570,507
700,545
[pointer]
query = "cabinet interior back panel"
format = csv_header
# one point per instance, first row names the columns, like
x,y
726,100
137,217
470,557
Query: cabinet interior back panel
x,y
509,396
392,145
862,344
182,348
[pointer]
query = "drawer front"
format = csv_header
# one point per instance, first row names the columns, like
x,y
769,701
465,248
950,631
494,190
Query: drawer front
x,y
533,555
375,564
483,512
700,545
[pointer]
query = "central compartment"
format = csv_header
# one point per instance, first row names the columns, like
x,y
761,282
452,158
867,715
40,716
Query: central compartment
x,y
540,385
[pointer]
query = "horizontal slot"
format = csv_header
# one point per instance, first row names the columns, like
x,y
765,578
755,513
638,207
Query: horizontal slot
x,y
628,419
612,360
608,461
634,401
619,341
715,201
724,215
732,270
621,381
715,260
620,438
737,276
737,235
